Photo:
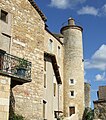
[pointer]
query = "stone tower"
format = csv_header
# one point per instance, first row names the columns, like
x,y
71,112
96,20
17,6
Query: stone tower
x,y
73,70
87,88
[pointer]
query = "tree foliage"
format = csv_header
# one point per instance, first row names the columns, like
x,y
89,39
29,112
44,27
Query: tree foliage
x,y
88,114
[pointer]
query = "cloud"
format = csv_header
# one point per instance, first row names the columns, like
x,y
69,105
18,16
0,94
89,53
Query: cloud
x,y
64,4
102,11
104,8
98,60
87,81
100,77
88,10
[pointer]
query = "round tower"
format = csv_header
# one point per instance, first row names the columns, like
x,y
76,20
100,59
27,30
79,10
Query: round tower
x,y
73,70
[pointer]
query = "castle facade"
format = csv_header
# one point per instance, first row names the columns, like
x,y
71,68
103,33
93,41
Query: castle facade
x,y
41,73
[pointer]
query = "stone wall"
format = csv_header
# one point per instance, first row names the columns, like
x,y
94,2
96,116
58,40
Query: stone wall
x,y
49,90
73,69
87,94
4,97
27,41
100,110
102,90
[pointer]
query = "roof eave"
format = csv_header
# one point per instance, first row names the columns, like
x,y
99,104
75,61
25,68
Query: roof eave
x,y
38,10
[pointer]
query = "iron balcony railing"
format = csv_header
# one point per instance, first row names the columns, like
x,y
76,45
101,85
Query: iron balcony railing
x,y
14,66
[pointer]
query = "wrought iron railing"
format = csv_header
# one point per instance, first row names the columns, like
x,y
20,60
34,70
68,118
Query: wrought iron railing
x,y
14,66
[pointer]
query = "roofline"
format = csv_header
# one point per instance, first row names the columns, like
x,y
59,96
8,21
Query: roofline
x,y
72,27
38,10
53,35
99,101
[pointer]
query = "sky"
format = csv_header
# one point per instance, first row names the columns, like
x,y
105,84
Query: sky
x,y
91,15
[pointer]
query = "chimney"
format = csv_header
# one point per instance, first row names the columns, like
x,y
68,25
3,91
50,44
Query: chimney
x,y
71,21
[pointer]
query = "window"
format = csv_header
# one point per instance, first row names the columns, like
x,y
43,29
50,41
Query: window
x,y
44,80
5,42
50,45
44,73
44,109
54,89
59,51
44,65
71,110
71,81
4,16
71,93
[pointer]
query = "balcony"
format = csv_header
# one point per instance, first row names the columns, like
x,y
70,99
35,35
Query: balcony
x,y
17,68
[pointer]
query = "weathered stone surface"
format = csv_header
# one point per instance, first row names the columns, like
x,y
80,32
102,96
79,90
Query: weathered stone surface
x,y
27,32
100,110
29,40
4,97
73,69
87,87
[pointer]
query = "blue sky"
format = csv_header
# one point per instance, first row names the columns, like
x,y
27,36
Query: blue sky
x,y
91,15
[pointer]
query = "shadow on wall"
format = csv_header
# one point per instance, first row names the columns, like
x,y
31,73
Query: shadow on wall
x,y
12,114
12,105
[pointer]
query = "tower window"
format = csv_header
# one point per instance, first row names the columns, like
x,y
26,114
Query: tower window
x,y
72,93
71,110
71,81
4,16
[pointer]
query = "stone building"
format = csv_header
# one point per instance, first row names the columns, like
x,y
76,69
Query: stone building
x,y
87,88
100,104
41,73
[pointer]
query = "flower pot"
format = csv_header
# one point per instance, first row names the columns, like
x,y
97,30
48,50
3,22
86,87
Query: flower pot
x,y
21,72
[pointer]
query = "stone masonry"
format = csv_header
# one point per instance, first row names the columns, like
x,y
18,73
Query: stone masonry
x,y
73,69
4,97
27,41
28,38
100,104
87,94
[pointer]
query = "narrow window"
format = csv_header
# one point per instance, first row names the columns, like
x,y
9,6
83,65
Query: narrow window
x,y
44,73
44,80
44,64
71,81
59,51
4,16
44,109
71,110
72,93
54,89
50,45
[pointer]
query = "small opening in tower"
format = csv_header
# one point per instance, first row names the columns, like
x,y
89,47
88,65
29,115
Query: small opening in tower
x,y
4,16
71,110
72,93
